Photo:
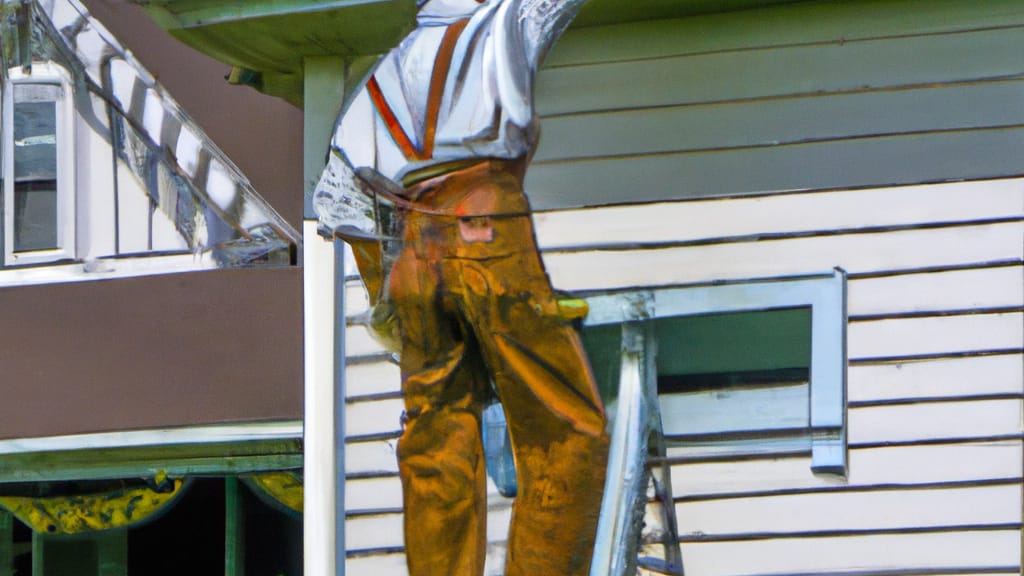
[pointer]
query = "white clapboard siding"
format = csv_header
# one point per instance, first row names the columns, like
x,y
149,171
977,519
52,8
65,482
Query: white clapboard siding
x,y
983,288
934,421
377,565
935,335
377,531
165,233
892,465
95,224
377,417
943,377
133,208
851,511
856,253
780,214
940,552
356,299
378,377
376,458
359,342
373,494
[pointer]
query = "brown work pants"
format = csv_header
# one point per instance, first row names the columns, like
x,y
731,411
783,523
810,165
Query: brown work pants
x,y
474,307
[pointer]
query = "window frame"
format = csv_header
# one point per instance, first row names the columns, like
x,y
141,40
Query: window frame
x,y
824,294
42,73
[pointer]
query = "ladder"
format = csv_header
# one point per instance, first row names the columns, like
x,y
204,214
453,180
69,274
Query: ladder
x,y
637,531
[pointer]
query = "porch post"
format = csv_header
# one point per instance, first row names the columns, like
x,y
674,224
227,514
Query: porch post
x,y
323,518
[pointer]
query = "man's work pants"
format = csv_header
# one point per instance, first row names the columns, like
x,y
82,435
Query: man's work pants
x,y
474,306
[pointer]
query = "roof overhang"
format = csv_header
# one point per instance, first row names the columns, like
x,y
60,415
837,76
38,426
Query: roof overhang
x,y
271,38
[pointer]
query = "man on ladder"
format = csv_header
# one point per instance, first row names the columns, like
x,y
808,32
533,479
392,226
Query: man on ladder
x,y
425,182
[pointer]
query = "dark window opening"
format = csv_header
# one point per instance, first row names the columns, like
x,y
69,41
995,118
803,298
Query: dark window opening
x,y
36,202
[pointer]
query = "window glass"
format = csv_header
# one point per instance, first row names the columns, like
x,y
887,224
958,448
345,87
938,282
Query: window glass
x,y
735,374
36,217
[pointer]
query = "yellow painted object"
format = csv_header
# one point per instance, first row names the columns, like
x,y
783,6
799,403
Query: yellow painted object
x,y
573,308
92,512
284,487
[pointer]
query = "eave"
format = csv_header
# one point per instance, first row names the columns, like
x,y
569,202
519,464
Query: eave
x,y
268,40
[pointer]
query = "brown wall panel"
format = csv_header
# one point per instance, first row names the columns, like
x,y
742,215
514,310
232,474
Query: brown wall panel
x,y
158,351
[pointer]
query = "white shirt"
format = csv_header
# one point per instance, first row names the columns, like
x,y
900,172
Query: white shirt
x,y
486,108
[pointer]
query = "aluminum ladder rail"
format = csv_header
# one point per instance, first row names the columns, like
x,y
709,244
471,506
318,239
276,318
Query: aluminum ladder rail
x,y
638,486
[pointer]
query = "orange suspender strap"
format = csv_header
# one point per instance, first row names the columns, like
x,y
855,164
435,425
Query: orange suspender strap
x,y
399,135
442,63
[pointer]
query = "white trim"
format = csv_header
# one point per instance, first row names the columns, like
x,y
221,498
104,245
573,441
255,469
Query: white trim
x,y
43,73
825,294
106,269
218,433
319,526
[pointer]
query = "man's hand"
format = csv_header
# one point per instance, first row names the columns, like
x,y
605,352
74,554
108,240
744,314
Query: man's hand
x,y
341,200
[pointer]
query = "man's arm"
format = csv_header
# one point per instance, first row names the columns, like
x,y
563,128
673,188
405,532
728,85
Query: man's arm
x,y
341,200
543,21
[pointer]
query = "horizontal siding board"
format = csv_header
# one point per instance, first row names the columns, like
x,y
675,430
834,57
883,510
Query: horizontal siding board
x,y
384,564
852,511
377,457
815,118
862,553
782,214
934,421
356,299
869,467
381,531
375,417
833,22
941,378
858,163
372,378
359,342
935,335
856,253
781,71
958,290
373,494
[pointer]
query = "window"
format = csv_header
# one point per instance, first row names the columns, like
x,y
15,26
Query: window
x,y
38,166
711,372
742,368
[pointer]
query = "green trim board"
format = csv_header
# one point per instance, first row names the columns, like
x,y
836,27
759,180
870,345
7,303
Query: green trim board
x,y
808,96
784,71
196,13
784,121
799,23
234,528
231,449
6,542
846,164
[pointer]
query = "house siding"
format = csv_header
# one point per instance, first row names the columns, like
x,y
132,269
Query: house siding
x,y
775,143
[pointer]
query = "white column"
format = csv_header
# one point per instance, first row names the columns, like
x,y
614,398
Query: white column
x,y
324,86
